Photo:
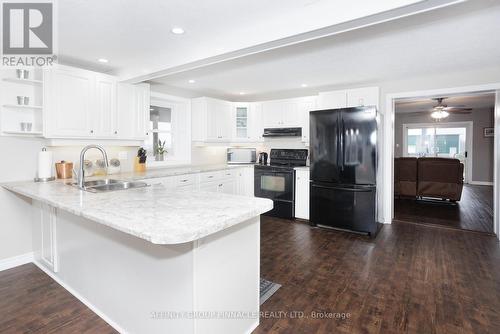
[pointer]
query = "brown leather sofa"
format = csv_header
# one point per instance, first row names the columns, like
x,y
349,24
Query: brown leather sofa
x,y
405,177
428,177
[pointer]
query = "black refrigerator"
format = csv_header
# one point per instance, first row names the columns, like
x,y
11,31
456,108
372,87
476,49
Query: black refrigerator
x,y
343,165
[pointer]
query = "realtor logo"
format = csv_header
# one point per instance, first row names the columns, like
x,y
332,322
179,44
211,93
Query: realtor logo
x,y
27,28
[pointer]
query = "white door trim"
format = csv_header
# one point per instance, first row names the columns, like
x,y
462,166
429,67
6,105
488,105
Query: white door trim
x,y
468,125
388,139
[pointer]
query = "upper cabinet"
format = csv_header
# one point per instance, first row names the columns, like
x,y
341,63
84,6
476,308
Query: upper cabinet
x,y
247,122
216,120
211,120
280,114
332,100
68,109
133,111
83,104
367,96
290,113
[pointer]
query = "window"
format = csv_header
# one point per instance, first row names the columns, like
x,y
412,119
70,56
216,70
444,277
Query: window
x,y
160,125
435,141
169,122
445,140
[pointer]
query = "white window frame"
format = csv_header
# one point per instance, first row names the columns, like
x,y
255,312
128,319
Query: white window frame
x,y
469,127
181,130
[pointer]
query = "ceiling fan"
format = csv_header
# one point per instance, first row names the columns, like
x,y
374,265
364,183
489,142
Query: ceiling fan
x,y
442,110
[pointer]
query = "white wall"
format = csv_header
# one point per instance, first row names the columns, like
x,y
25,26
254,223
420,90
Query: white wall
x,y
72,153
19,161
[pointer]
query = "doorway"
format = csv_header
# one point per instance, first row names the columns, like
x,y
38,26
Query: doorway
x,y
438,177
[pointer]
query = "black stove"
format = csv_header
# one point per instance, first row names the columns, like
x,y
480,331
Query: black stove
x,y
276,181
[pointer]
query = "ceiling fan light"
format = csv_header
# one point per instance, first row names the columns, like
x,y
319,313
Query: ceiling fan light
x,y
440,114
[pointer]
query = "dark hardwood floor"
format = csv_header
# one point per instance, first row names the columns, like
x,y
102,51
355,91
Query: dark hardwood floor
x,y
32,302
474,212
409,279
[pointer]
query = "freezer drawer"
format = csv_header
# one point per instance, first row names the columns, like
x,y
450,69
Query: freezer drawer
x,y
351,208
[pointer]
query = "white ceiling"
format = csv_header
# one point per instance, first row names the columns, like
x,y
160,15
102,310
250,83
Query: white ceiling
x,y
474,101
458,38
135,35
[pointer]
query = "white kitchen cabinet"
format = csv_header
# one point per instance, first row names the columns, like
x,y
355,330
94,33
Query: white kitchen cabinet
x,y
280,114
302,193
68,107
255,122
305,106
332,100
133,111
247,122
367,96
245,181
223,181
228,186
104,114
89,105
211,120
47,243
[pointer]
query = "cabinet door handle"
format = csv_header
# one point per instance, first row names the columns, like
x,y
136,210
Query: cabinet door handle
x,y
184,180
116,132
210,176
147,133
91,131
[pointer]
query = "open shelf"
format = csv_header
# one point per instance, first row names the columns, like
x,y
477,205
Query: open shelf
x,y
22,106
23,81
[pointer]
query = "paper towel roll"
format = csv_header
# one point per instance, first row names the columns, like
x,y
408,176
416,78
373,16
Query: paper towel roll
x,y
44,164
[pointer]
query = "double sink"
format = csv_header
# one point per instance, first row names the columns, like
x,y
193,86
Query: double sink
x,y
101,186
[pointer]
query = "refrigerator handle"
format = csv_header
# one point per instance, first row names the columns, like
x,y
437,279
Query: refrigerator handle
x,y
342,146
358,190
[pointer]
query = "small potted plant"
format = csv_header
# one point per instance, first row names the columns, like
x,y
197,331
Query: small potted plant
x,y
160,151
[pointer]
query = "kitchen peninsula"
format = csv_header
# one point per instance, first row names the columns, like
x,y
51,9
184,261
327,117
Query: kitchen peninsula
x,y
152,260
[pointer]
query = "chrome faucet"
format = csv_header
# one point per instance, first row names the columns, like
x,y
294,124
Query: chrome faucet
x,y
81,173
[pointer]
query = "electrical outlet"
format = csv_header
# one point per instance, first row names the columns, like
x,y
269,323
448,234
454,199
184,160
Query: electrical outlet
x,y
123,155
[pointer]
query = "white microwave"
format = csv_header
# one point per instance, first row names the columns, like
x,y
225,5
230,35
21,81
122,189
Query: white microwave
x,y
241,155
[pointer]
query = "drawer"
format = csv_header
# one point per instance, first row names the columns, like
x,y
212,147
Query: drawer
x,y
166,181
184,180
229,173
210,176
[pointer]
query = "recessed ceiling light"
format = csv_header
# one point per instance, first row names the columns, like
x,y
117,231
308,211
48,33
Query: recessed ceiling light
x,y
191,81
242,93
102,60
303,85
177,30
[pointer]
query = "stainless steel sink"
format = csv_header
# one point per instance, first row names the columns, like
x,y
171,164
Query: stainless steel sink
x,y
101,186
96,183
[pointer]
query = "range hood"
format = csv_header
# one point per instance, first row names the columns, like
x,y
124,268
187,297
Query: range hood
x,y
282,132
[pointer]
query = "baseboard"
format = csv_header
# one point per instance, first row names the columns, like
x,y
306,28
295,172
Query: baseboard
x,y
481,183
16,261
91,306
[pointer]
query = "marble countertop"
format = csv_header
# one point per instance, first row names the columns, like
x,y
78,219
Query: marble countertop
x,y
155,214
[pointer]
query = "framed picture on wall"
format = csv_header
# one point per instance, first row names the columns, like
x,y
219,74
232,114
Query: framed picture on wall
x,y
489,132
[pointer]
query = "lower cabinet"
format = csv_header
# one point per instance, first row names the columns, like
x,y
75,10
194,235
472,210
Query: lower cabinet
x,y
45,235
245,180
302,194
236,181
